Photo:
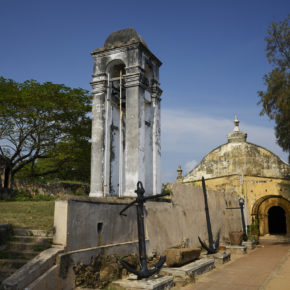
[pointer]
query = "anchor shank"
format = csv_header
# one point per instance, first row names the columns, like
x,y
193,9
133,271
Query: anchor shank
x,y
141,235
210,237
144,271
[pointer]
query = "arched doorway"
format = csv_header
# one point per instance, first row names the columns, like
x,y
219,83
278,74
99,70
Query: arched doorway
x,y
277,220
273,215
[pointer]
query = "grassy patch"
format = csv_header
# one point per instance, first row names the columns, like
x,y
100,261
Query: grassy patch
x,y
26,196
27,214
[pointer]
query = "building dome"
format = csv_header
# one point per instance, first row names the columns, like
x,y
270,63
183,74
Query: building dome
x,y
239,157
122,37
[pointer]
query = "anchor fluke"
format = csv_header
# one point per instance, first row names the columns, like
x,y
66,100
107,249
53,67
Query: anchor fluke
x,y
129,267
144,272
212,249
203,244
160,263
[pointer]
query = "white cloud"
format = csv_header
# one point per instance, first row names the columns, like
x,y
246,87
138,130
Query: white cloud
x,y
188,166
180,128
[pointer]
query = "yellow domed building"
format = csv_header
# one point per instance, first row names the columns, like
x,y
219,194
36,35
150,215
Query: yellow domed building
x,y
251,171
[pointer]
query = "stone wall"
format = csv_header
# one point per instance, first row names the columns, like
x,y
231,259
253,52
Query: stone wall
x,y
184,218
51,188
89,222
253,188
83,222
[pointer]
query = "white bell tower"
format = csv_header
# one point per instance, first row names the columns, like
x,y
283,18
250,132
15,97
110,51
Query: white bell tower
x,y
126,117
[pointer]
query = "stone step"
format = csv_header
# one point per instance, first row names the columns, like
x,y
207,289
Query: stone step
x,y
25,245
15,254
12,263
158,282
20,246
5,274
249,244
9,266
188,273
31,232
32,270
239,250
34,239
219,258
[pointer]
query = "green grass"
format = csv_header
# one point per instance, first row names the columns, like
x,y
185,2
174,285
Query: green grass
x,y
27,214
25,196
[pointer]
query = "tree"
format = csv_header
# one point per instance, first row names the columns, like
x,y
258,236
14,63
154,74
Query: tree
x,y
69,160
37,121
276,99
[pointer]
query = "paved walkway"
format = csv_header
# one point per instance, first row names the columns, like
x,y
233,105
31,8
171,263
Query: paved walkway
x,y
267,267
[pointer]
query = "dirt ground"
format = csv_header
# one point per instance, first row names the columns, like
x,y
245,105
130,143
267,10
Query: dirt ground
x,y
266,267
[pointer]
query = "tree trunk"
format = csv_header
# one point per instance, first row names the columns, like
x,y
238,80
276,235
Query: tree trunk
x,y
7,177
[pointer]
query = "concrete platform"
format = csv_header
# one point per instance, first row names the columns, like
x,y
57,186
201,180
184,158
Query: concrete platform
x,y
159,282
187,273
219,258
222,258
239,250
249,244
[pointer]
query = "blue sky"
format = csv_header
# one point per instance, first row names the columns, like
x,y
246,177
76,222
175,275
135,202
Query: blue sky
x,y
213,55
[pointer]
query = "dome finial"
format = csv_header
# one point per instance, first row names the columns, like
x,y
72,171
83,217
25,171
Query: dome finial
x,y
179,175
237,136
236,122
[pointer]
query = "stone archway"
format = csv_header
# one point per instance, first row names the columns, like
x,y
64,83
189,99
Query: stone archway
x,y
271,210
277,220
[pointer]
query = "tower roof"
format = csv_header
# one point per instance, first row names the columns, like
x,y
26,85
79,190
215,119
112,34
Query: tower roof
x,y
121,40
122,37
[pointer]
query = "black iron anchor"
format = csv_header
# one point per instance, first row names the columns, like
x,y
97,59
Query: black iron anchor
x,y
140,200
213,246
241,204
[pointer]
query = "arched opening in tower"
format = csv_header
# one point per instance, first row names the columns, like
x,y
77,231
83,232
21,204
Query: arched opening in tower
x,y
117,125
277,220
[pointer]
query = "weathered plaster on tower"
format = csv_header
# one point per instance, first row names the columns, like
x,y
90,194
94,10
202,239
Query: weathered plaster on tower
x,y
126,62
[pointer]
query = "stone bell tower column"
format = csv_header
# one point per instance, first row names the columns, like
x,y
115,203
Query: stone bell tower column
x,y
135,129
156,93
98,135
126,117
